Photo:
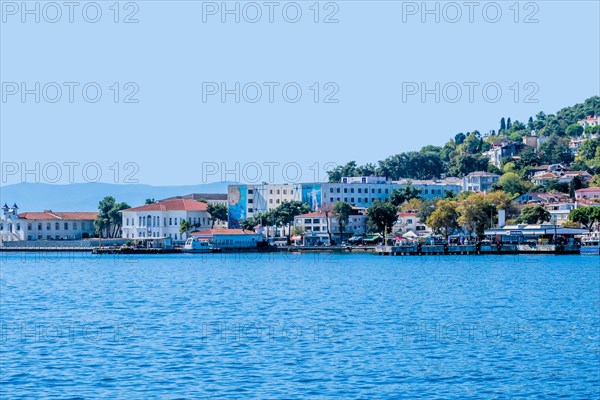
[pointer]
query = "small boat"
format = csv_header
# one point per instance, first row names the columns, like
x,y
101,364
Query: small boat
x,y
590,244
195,245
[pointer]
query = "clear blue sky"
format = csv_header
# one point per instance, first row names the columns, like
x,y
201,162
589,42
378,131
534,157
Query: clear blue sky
x,y
368,54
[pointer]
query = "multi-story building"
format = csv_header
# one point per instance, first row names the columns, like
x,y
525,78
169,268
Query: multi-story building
x,y
315,225
45,225
409,221
246,201
559,212
209,198
589,121
480,181
502,149
431,189
163,219
592,193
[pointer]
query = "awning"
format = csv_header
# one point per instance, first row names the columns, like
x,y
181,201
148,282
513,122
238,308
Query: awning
x,y
296,238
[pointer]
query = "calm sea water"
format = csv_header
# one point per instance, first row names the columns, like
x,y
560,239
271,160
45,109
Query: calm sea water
x,y
279,326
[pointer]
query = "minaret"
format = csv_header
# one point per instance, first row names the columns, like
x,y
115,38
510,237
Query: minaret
x,y
5,211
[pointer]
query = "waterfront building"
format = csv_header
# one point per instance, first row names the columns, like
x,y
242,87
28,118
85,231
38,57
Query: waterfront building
x,y
314,226
209,198
229,238
559,212
532,233
45,225
163,219
409,221
433,188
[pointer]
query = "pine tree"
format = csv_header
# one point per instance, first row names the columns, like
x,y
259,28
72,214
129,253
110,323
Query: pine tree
x,y
502,125
530,124
508,124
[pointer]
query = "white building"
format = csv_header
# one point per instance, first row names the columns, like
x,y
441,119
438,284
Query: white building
x,y
480,181
163,219
314,226
409,221
589,121
559,212
45,225
230,238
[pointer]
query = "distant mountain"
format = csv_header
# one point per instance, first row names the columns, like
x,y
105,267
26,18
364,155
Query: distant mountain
x,y
85,196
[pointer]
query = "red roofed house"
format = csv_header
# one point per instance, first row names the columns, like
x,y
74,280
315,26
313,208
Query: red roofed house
x,y
230,238
45,225
163,219
592,193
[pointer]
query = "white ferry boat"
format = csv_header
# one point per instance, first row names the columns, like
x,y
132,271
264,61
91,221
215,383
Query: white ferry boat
x,y
590,244
195,245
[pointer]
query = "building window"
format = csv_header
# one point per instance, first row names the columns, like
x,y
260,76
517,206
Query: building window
x,y
170,221
331,199
278,191
48,226
250,191
18,227
29,227
284,191
359,190
270,201
277,201
352,200
330,190
366,199
39,227
250,201
338,190
345,190
351,190
271,191
307,221
175,221
250,210
57,226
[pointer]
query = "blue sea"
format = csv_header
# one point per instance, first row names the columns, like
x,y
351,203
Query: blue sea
x,y
78,326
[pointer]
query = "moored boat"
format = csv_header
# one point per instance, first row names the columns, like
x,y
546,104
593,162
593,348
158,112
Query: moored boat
x,y
195,245
590,244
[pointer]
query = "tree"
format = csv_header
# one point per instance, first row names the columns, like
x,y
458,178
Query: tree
x,y
444,217
184,226
283,215
109,219
327,210
475,213
530,125
342,212
533,215
382,215
459,138
574,130
585,216
150,200
463,164
508,124
400,196
555,151
511,183
502,125
217,211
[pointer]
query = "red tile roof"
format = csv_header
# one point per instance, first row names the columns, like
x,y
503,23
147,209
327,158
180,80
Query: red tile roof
x,y
312,214
49,214
172,205
588,190
223,231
